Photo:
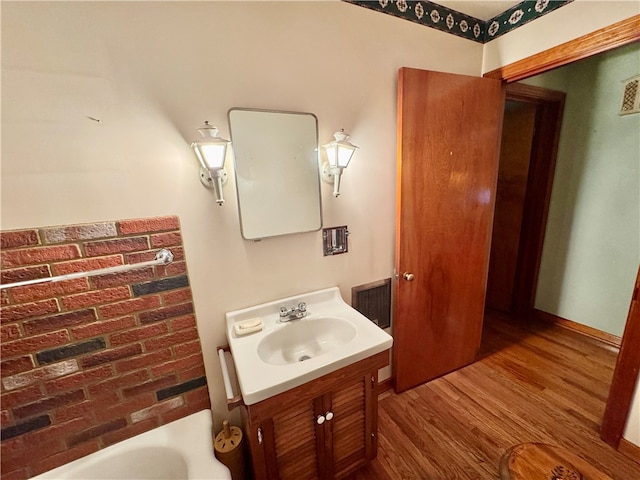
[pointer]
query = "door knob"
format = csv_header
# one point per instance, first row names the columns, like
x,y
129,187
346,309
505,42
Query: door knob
x,y
408,276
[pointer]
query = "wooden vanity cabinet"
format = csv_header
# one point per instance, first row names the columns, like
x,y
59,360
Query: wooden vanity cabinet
x,y
324,429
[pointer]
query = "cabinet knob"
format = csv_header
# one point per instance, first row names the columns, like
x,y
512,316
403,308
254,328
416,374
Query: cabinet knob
x,y
329,415
408,276
320,419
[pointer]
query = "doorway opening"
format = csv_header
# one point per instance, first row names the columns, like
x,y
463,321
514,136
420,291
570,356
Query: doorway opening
x,y
531,132
625,375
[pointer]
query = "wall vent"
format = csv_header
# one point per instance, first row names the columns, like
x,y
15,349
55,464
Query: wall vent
x,y
373,300
631,96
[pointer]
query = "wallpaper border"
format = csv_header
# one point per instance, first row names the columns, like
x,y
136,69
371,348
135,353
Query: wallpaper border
x,y
441,18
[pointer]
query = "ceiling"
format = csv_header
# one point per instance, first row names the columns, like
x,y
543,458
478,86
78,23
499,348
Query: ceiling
x,y
482,10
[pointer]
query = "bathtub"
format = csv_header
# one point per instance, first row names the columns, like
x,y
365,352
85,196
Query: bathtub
x,y
179,450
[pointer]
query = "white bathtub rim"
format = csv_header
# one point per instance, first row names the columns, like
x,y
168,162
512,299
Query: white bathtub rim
x,y
190,437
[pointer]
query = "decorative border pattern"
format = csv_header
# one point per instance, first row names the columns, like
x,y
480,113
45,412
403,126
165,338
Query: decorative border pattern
x,y
436,16
431,15
518,15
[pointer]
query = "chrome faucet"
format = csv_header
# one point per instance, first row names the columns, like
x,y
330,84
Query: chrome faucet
x,y
288,314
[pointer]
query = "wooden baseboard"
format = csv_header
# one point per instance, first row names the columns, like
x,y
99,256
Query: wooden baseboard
x,y
629,449
579,328
385,385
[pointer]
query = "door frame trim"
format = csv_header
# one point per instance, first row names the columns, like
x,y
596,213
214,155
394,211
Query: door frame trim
x,y
625,375
619,34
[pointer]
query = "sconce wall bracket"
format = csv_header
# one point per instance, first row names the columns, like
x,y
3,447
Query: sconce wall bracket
x,y
327,173
207,180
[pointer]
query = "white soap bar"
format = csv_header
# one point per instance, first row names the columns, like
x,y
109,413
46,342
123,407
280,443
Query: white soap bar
x,y
248,326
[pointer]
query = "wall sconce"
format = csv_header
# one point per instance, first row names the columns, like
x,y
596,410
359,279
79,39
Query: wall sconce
x,y
339,152
211,151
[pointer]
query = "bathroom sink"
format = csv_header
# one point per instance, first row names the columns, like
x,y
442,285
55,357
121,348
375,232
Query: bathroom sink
x,y
279,352
300,341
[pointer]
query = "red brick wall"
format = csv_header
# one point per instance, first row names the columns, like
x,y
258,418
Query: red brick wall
x,y
89,362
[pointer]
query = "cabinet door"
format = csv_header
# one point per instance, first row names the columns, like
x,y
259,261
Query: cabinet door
x,y
352,443
335,448
295,441
321,430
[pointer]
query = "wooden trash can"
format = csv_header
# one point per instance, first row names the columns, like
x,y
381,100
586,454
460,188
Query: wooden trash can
x,y
229,449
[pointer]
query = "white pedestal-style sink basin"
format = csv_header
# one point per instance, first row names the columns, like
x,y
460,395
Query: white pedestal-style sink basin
x,y
286,354
302,341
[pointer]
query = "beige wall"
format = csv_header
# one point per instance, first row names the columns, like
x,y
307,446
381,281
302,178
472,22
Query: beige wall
x,y
153,72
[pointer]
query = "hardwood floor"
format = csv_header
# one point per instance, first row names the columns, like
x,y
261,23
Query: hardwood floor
x,y
546,384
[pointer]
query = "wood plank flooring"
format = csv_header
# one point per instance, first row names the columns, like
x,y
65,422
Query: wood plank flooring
x,y
541,384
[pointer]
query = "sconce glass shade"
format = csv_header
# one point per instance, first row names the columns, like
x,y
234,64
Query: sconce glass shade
x,y
339,154
340,151
211,151
211,156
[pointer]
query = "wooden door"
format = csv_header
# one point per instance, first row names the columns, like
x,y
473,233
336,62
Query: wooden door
x,y
449,129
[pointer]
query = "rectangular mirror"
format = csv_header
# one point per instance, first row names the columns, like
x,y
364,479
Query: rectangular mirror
x,y
276,169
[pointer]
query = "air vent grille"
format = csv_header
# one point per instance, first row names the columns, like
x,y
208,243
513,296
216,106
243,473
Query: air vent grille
x,y
373,300
631,96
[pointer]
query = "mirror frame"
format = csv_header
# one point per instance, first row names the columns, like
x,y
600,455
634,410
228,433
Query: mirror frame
x,y
287,221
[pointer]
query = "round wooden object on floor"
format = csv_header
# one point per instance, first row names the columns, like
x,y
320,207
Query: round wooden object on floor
x,y
530,461
229,449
